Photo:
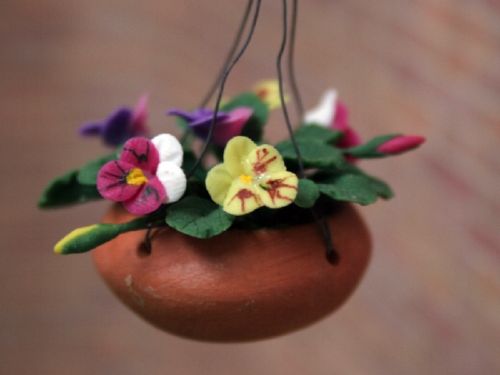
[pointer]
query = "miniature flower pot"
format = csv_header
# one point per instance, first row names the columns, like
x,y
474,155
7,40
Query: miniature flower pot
x,y
239,286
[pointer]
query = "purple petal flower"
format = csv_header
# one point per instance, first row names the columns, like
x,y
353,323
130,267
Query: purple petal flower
x,y
116,129
123,124
227,126
91,129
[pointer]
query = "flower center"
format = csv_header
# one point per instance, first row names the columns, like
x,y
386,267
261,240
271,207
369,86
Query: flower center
x,y
246,179
262,93
136,177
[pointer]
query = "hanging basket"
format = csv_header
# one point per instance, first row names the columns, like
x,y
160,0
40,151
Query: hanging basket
x,y
240,286
238,251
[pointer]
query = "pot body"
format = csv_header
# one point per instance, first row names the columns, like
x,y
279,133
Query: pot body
x,y
240,285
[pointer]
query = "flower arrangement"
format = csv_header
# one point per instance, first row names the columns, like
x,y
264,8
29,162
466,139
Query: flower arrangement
x,y
253,185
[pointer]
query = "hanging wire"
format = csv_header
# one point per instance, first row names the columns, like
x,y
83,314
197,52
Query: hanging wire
x,y
291,65
281,90
331,253
229,56
222,83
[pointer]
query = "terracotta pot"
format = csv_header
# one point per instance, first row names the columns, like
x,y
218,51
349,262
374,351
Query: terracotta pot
x,y
239,286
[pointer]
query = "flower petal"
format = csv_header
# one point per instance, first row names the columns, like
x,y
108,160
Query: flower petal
x,y
269,92
112,181
341,117
232,125
169,148
173,180
140,116
279,189
185,115
204,119
91,129
242,198
262,160
235,154
218,182
340,122
400,144
117,127
324,112
142,153
149,199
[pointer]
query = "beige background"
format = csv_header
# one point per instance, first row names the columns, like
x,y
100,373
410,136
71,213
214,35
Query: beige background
x,y
430,301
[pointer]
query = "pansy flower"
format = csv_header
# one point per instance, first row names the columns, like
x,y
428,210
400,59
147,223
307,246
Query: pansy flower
x,y
269,92
227,126
123,124
332,113
146,175
250,177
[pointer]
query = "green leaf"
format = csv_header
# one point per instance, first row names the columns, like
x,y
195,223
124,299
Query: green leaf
x,y
181,123
253,129
87,238
355,186
87,175
198,217
66,190
189,162
317,133
368,150
315,154
307,194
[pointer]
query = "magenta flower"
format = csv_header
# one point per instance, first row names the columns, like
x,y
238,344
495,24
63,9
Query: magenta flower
x,y
400,144
333,113
121,125
227,126
340,122
146,175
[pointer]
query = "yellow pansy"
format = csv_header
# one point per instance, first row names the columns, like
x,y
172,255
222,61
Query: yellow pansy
x,y
269,92
251,177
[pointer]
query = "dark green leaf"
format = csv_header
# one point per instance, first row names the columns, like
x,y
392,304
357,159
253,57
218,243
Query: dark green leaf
x,y
315,154
308,193
84,239
253,130
181,123
87,238
87,175
317,133
67,190
353,185
189,162
198,217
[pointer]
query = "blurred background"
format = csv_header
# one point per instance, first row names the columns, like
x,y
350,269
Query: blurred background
x,y
429,303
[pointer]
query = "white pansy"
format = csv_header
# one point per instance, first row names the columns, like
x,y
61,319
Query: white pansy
x,y
324,113
173,180
169,171
169,148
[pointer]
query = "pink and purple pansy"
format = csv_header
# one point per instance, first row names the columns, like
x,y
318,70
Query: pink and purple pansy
x,y
146,175
123,124
333,113
228,124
